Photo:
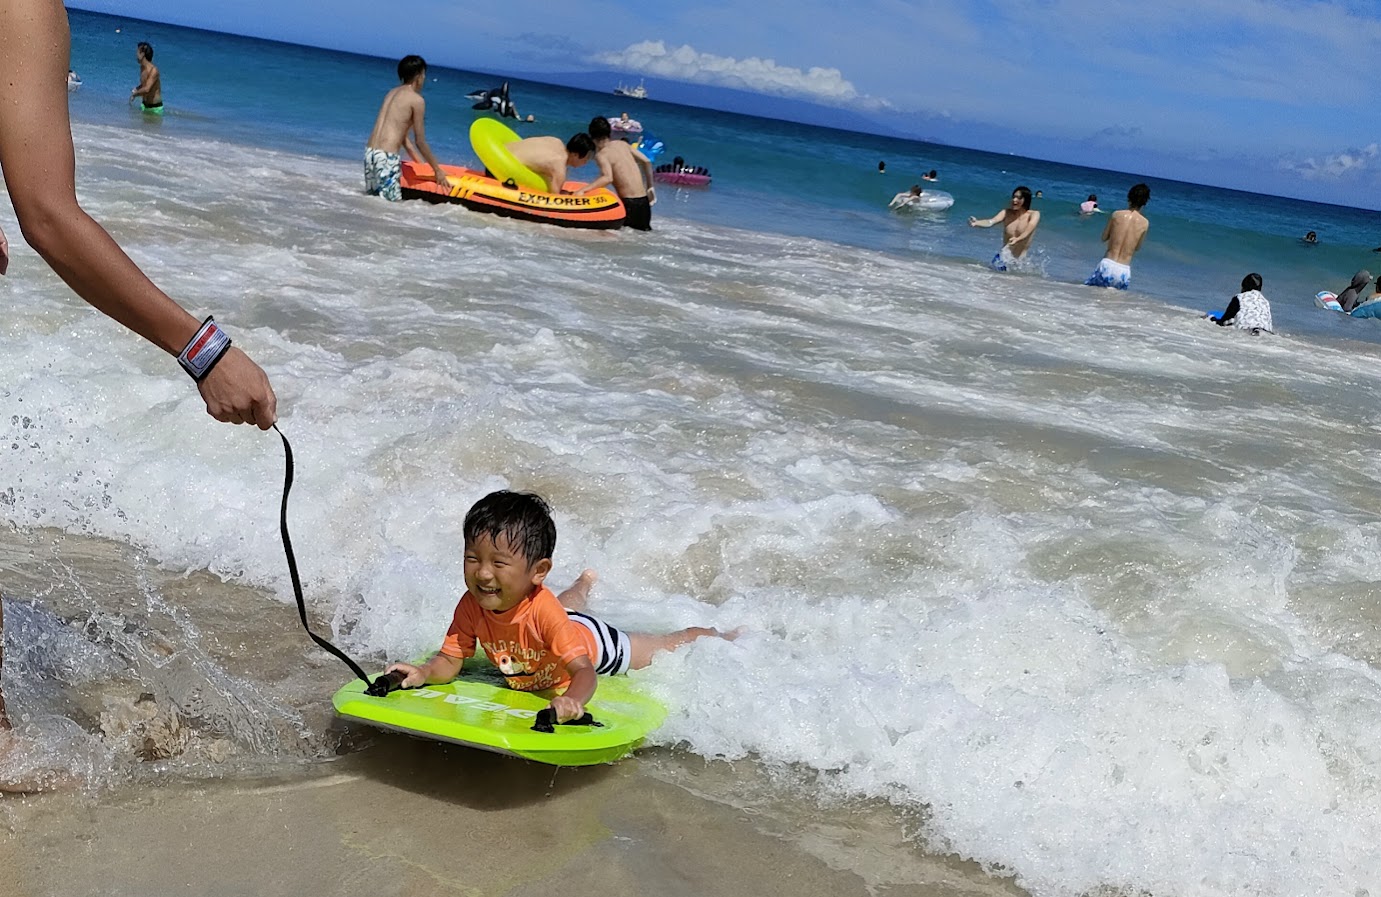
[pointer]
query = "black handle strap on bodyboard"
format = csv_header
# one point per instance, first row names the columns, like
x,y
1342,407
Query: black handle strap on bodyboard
x,y
546,721
292,568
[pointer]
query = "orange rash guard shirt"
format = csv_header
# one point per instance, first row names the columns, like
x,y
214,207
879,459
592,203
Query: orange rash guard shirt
x,y
530,643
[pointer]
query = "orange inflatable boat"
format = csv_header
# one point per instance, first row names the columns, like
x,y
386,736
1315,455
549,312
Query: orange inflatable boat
x,y
472,189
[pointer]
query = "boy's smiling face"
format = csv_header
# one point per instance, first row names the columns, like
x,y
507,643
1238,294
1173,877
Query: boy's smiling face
x,y
499,575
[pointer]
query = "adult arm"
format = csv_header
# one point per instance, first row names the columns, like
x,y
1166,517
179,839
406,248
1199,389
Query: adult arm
x,y
606,177
987,222
571,705
39,167
145,83
419,131
557,179
645,164
1107,228
4,253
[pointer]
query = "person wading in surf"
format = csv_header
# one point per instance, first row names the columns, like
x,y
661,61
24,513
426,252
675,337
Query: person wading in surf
x,y
39,167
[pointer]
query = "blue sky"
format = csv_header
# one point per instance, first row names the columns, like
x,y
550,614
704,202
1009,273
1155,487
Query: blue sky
x,y
1270,95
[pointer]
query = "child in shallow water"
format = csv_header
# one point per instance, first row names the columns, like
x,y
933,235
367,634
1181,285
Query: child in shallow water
x,y
534,641
1249,309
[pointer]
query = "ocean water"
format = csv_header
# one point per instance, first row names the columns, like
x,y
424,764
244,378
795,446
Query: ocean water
x,y
1078,583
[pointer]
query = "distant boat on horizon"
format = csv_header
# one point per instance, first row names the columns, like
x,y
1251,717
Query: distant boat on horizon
x,y
637,93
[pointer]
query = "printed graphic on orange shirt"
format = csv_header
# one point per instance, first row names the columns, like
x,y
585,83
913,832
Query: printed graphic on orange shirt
x,y
510,665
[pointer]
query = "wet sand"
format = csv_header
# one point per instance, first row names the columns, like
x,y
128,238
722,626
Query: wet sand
x,y
412,818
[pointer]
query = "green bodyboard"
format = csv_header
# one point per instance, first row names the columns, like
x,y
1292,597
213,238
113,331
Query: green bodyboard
x,y
479,710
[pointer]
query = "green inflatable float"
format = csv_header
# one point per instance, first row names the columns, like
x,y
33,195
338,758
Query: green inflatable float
x,y
489,138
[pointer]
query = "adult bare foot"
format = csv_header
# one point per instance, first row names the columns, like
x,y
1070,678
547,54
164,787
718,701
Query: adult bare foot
x,y
578,595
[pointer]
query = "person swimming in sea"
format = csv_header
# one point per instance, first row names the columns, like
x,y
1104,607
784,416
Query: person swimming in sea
x,y
1090,205
906,198
1310,238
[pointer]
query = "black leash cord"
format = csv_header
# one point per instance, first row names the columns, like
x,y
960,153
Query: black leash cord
x,y
546,718
292,565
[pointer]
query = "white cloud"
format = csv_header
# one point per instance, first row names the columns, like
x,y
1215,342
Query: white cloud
x,y
1349,163
685,63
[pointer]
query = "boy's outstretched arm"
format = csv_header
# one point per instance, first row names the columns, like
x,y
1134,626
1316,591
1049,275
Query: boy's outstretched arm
x,y
571,705
440,669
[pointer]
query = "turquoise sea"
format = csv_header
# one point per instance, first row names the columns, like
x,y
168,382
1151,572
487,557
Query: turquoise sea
x,y
1076,584
770,176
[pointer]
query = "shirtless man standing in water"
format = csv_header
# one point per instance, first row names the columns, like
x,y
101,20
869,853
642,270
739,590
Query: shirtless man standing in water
x,y
1125,231
400,113
150,89
1018,227
628,170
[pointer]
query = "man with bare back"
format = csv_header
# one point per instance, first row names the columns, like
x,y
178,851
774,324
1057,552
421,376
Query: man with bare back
x,y
550,159
628,170
400,114
1125,231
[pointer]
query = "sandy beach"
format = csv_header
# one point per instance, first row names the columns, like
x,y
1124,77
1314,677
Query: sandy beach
x,y
411,818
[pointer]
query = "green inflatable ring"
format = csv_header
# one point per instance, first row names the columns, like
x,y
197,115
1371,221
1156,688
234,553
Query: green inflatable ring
x,y
489,138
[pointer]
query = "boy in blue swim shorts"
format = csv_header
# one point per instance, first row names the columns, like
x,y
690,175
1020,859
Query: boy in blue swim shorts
x,y
1019,224
1124,233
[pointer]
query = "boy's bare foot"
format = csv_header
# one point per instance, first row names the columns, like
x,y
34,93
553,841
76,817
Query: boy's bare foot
x,y
578,595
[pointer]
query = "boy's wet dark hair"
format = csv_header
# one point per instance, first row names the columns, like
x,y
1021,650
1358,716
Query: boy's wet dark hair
x,y
599,128
1251,282
523,518
1138,196
581,144
1025,194
145,49
410,67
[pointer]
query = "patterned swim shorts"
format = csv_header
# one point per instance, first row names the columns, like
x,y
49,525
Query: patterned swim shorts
x,y
1111,274
382,174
